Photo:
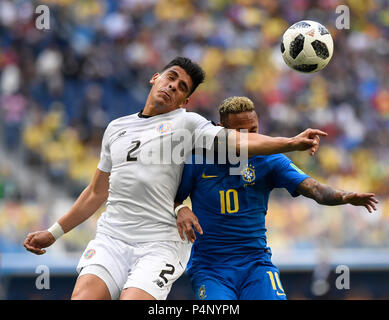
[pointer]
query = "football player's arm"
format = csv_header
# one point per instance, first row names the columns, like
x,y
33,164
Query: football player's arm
x,y
186,219
326,195
258,144
90,200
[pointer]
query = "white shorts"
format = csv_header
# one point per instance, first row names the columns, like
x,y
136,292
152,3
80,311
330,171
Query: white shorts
x,y
150,266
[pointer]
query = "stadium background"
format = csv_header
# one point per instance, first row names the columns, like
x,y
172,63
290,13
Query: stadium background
x,y
60,87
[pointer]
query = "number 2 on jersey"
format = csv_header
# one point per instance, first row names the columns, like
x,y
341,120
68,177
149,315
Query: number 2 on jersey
x,y
137,144
163,272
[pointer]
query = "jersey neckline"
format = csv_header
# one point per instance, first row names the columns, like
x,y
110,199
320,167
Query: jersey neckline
x,y
141,115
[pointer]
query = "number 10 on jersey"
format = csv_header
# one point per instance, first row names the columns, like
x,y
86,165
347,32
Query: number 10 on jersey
x,y
229,201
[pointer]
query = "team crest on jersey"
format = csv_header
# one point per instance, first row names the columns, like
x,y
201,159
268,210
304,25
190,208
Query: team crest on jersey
x,y
90,253
164,127
202,295
248,173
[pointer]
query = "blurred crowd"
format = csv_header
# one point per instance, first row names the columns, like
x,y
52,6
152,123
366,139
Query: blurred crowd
x,y
60,87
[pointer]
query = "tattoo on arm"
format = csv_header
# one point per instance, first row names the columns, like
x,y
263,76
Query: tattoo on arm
x,y
321,193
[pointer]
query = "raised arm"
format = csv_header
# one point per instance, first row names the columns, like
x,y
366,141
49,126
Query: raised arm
x,y
326,195
93,196
258,144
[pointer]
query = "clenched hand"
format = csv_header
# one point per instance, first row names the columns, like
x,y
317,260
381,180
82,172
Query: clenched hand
x,y
36,241
309,139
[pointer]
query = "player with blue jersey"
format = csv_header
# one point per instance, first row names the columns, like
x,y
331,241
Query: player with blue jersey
x,y
231,259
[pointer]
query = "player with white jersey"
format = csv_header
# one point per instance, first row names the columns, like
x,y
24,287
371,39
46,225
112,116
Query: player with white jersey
x,y
137,252
136,185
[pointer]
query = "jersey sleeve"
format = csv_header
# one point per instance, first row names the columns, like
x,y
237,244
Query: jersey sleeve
x,y
285,174
105,163
203,130
187,181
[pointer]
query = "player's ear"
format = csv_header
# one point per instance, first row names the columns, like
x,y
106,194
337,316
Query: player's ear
x,y
184,103
155,76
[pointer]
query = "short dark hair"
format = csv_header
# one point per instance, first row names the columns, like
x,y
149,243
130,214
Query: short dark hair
x,y
195,72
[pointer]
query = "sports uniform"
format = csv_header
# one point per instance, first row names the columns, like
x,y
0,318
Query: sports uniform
x,y
137,243
231,259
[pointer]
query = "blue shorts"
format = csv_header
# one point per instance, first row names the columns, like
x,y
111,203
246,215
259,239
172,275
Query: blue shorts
x,y
251,280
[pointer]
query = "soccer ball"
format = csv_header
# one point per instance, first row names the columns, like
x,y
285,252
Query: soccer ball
x,y
307,46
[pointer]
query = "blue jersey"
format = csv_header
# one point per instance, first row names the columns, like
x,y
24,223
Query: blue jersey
x,y
231,208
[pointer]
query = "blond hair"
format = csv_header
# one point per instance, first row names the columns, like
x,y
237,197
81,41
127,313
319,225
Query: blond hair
x,y
234,105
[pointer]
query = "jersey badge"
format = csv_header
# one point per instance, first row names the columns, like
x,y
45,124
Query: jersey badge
x,y
90,253
248,174
164,127
202,295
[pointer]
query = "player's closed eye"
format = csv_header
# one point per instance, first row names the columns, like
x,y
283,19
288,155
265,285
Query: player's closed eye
x,y
180,87
183,88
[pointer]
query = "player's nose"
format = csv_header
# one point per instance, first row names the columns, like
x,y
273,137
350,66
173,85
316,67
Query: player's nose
x,y
172,87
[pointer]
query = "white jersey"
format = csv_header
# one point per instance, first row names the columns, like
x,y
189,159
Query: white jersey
x,y
140,205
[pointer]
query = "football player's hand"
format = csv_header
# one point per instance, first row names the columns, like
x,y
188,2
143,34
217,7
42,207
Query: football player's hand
x,y
36,241
313,150
186,220
308,140
366,200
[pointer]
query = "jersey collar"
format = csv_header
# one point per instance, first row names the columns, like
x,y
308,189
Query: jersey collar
x,y
141,115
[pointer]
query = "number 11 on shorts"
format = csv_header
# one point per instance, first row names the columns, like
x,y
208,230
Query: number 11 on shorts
x,y
275,275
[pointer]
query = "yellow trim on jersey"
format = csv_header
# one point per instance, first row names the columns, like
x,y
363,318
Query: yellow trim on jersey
x,y
206,177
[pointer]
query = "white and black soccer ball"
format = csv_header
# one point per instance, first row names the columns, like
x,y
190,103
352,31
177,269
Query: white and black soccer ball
x,y
307,46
